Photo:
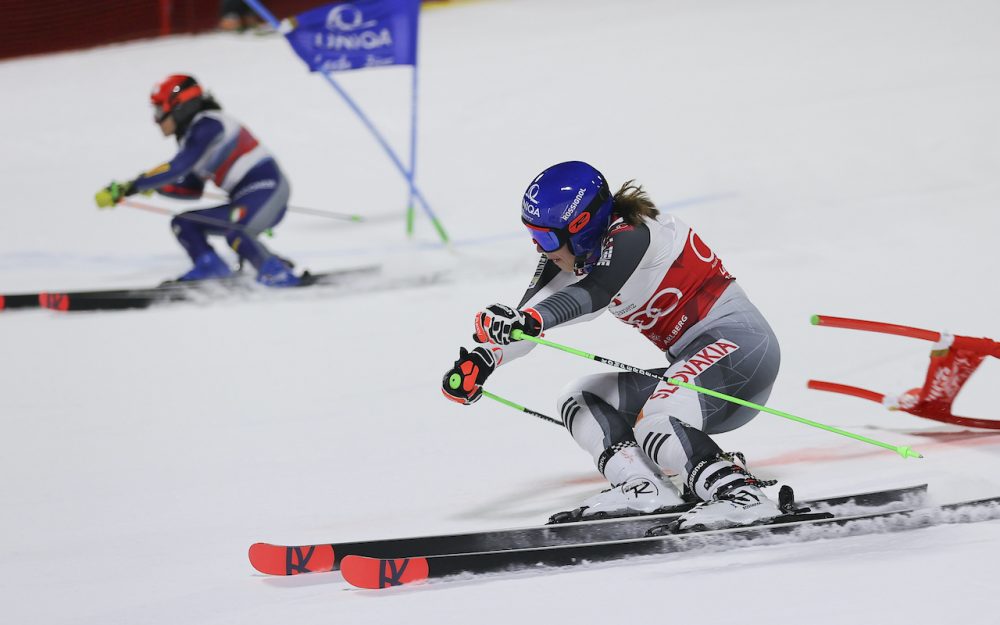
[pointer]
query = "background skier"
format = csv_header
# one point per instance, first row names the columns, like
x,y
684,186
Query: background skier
x,y
214,146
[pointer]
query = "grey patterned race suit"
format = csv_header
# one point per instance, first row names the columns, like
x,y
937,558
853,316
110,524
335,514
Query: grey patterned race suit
x,y
662,279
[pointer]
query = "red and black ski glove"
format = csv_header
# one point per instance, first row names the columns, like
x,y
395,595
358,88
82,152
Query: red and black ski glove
x,y
496,322
463,383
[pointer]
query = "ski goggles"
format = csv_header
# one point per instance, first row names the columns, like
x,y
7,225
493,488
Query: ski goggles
x,y
551,239
548,239
159,114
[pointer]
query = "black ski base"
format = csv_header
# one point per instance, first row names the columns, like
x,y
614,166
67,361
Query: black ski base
x,y
576,515
171,291
671,528
801,530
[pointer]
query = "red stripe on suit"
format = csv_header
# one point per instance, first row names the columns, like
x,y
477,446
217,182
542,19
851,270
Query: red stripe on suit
x,y
245,142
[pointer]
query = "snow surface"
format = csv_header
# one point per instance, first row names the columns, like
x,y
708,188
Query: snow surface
x,y
842,157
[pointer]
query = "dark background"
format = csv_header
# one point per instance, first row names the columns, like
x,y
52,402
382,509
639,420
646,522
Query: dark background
x,y
39,26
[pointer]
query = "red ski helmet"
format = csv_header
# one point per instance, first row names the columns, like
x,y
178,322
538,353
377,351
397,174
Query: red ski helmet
x,y
179,95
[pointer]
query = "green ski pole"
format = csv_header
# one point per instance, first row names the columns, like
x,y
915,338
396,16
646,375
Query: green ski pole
x,y
456,380
507,402
902,450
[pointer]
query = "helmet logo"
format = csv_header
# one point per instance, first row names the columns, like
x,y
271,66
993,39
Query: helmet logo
x,y
532,194
572,206
577,224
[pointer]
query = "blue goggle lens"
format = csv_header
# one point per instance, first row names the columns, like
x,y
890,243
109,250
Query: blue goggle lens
x,y
548,240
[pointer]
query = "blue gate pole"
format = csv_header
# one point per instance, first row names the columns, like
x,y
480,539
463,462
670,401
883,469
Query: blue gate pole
x,y
413,154
267,16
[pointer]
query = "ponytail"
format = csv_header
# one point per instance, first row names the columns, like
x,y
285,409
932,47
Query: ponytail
x,y
632,204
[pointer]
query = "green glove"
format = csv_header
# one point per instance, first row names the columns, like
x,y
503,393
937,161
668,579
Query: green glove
x,y
114,193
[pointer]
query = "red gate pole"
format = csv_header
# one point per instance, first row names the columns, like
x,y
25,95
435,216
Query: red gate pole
x,y
953,360
875,326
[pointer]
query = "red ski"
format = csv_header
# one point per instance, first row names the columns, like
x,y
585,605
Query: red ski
x,y
376,573
280,560
320,558
953,360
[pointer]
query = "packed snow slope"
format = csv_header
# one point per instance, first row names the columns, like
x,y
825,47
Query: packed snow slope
x,y
841,157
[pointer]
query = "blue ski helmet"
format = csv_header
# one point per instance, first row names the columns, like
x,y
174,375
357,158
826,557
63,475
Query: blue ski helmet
x,y
569,203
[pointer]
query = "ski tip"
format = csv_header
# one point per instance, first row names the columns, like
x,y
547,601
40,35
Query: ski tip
x,y
3,302
264,558
814,320
280,560
373,573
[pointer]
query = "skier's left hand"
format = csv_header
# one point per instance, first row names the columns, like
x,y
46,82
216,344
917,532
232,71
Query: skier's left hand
x,y
114,193
496,322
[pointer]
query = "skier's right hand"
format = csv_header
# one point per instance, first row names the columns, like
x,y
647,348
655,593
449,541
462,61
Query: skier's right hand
x,y
463,383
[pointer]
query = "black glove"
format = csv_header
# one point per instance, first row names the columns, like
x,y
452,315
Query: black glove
x,y
463,383
496,322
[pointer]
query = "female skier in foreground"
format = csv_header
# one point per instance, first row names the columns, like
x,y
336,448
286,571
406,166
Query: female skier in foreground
x,y
617,252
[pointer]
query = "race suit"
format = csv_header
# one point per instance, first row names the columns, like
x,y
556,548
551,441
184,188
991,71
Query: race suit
x,y
662,279
216,147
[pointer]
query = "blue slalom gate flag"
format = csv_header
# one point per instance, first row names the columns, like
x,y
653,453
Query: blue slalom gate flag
x,y
355,35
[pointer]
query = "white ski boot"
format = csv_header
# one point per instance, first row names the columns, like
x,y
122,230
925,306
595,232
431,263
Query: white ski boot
x,y
636,495
731,496
639,488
